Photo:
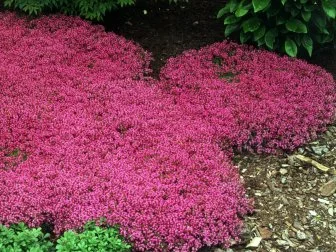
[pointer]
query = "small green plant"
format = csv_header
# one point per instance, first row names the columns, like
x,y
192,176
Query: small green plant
x,y
93,238
284,25
19,237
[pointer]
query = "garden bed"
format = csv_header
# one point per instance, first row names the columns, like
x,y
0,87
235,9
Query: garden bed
x,y
132,127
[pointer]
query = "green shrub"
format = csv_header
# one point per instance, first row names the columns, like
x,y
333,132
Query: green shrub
x,y
289,26
93,238
19,237
89,9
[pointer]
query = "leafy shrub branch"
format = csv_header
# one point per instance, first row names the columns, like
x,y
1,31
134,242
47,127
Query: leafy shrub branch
x,y
89,9
283,25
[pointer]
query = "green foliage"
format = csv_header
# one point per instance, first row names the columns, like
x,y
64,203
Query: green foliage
x,y
89,9
288,26
20,238
93,238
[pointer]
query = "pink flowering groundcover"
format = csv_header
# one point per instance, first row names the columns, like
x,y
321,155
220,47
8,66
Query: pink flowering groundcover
x,y
85,133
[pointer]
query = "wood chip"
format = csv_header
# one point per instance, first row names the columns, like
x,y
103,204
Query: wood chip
x,y
254,243
265,233
329,188
312,162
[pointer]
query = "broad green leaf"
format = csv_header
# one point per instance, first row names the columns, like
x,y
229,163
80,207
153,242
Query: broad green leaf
x,y
259,5
306,15
310,7
295,25
244,37
241,11
326,38
280,19
251,24
294,12
307,43
270,37
320,21
230,29
259,33
297,39
261,42
329,9
233,5
283,2
298,6
223,11
273,11
290,47
232,19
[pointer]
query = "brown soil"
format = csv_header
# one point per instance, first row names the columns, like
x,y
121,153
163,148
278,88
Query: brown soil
x,y
290,212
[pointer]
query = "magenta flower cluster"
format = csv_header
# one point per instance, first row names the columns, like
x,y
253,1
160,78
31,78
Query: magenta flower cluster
x,y
86,134
256,100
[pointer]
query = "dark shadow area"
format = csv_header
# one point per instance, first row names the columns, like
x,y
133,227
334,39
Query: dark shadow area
x,y
167,30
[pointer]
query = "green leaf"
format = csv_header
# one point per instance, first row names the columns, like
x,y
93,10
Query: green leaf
x,y
260,42
320,21
272,11
290,47
251,24
231,19
310,7
241,11
244,37
306,15
223,11
233,5
270,38
295,25
230,29
259,5
323,38
294,12
283,2
329,9
258,34
280,19
307,43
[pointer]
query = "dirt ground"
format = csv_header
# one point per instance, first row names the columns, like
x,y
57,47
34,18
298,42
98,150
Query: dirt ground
x,y
291,211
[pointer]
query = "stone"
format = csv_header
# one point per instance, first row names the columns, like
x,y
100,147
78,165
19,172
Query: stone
x,y
331,211
283,171
319,150
329,188
301,236
254,243
282,242
265,233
